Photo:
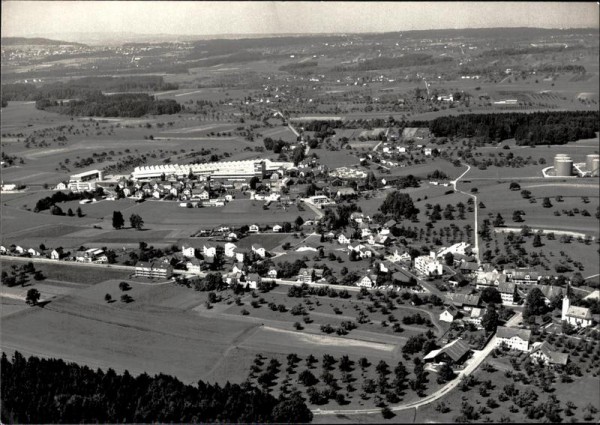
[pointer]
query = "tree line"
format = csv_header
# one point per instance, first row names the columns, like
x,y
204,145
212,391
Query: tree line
x,y
38,390
75,88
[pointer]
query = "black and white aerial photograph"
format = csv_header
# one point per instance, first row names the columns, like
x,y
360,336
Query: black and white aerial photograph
x,y
281,212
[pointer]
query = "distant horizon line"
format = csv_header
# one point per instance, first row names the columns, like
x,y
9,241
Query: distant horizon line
x,y
271,34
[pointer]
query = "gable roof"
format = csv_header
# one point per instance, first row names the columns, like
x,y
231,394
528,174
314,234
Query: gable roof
x,y
455,350
505,332
460,300
579,312
506,288
452,310
554,357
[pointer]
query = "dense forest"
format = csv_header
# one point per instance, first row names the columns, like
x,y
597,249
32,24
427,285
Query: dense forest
x,y
38,390
116,105
539,128
84,86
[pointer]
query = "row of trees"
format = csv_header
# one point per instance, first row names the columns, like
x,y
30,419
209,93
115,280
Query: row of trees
x,y
38,390
135,220
50,201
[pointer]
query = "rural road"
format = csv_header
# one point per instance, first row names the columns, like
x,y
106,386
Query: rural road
x,y
476,209
472,365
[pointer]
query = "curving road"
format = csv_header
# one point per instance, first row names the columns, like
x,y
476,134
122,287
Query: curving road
x,y
472,364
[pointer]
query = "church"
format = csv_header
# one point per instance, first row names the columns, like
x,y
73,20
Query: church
x,y
576,316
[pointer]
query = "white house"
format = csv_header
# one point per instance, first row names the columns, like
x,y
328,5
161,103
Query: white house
x,y
55,255
514,338
344,238
19,250
277,228
253,228
33,252
429,265
259,250
361,250
188,251
449,314
193,265
507,292
252,280
367,281
272,273
230,249
209,250
576,316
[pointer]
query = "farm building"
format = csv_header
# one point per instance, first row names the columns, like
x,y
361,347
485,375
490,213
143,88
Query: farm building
x,y
515,339
455,352
464,301
542,352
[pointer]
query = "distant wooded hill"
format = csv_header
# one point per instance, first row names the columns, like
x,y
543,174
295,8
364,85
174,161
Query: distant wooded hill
x,y
24,41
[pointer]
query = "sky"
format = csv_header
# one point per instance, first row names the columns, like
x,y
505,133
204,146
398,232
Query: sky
x,y
40,18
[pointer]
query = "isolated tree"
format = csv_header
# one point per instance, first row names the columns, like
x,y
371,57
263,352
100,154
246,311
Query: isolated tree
x,y
79,212
491,295
124,286
70,212
515,186
537,240
108,298
117,220
446,373
449,259
489,321
498,221
136,221
33,296
254,181
535,304
546,203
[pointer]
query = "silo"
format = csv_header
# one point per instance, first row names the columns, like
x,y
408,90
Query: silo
x,y
595,167
589,162
559,157
563,167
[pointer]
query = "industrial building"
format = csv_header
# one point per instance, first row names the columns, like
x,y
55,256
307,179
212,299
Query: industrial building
x,y
228,170
85,181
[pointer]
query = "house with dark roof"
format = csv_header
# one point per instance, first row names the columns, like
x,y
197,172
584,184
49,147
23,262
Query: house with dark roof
x,y
507,292
455,352
464,301
514,338
449,314
522,276
542,352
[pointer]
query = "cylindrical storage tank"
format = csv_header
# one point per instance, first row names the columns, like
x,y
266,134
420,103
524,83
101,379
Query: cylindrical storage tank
x,y
589,161
563,167
559,157
595,167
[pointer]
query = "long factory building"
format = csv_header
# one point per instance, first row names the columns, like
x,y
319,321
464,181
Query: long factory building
x,y
227,170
